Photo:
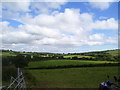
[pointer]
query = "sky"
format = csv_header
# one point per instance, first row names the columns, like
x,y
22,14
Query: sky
x,y
59,27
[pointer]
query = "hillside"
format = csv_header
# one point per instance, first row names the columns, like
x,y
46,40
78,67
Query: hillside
x,y
36,64
86,54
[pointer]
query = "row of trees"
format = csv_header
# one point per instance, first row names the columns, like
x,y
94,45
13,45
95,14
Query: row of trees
x,y
17,61
22,61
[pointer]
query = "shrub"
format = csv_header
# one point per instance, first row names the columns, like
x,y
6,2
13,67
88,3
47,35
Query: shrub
x,y
7,72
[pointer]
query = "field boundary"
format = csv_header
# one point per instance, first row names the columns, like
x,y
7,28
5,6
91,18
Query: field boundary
x,y
77,66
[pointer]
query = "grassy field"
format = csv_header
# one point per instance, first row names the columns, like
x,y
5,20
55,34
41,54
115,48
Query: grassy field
x,y
78,56
64,77
113,52
7,54
54,63
73,77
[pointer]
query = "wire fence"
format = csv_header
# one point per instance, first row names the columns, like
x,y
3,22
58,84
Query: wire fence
x,y
17,83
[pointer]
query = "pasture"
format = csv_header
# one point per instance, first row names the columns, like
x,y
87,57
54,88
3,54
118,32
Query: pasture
x,y
78,56
87,77
56,63
42,72
113,52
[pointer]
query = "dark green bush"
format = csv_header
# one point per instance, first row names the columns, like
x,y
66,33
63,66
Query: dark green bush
x,y
7,72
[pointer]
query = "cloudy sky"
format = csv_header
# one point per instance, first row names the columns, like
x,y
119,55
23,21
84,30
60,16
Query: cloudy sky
x,y
59,26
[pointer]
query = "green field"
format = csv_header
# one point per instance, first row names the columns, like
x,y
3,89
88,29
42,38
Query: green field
x,y
55,63
58,72
7,54
113,52
73,77
78,56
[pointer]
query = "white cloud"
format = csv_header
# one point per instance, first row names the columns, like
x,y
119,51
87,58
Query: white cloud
x,y
101,4
58,30
97,37
17,6
46,6
91,43
14,10
112,40
67,28
37,30
109,24
102,17
11,35
22,8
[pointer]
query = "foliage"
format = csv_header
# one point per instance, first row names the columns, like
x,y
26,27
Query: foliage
x,y
20,61
7,72
109,55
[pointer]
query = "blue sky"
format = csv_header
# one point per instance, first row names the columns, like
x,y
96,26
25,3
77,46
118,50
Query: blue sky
x,y
60,27
112,11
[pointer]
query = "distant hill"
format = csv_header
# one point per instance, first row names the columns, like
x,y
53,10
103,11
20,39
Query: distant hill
x,y
94,53
113,52
14,53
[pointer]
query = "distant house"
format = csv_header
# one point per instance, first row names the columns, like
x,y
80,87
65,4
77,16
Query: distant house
x,y
31,56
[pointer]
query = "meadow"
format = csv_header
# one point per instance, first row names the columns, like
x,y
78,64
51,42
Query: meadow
x,y
53,70
56,63
87,77
78,56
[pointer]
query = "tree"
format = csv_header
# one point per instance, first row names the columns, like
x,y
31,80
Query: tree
x,y
74,58
28,57
20,61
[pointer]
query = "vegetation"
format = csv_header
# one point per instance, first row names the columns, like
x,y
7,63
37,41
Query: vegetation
x,y
46,76
65,63
31,81
89,77
79,56
7,72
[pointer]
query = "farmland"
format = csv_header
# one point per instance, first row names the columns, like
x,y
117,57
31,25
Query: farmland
x,y
79,56
73,77
56,63
57,70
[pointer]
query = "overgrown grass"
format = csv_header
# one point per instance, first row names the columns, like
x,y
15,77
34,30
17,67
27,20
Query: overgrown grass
x,y
55,63
89,77
30,79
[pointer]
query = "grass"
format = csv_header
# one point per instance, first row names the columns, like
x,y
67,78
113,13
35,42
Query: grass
x,y
113,52
79,56
89,77
55,63
8,54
